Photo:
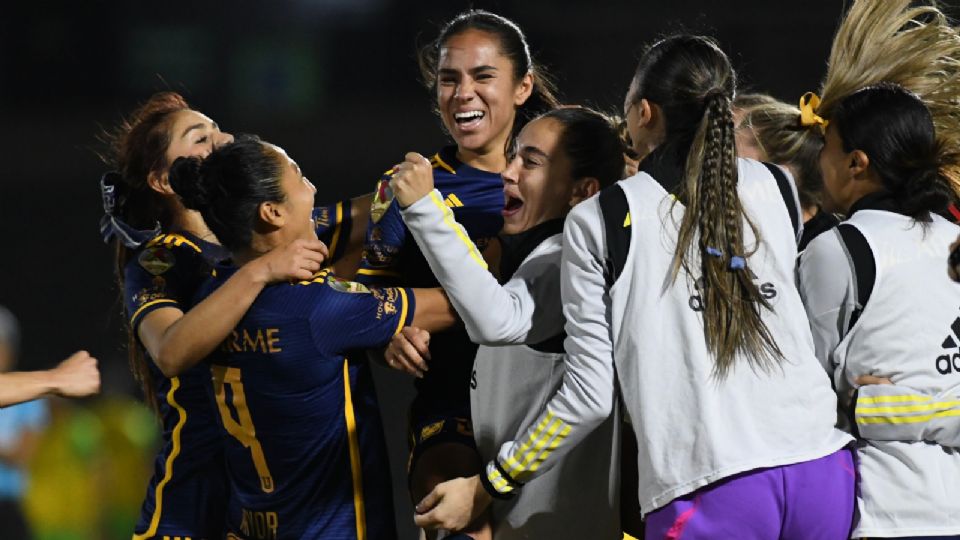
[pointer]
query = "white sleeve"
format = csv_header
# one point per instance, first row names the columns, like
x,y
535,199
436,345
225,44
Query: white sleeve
x,y
493,314
890,412
586,396
826,284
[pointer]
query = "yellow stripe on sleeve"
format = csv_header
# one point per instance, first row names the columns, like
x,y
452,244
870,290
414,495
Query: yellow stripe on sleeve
x,y
461,234
151,303
907,419
403,310
908,408
354,441
158,494
375,272
511,464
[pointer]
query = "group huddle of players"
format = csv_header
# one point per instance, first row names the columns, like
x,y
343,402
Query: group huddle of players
x,y
720,316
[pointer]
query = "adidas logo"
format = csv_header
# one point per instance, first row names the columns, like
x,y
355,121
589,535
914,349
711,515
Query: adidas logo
x,y
767,290
946,363
452,201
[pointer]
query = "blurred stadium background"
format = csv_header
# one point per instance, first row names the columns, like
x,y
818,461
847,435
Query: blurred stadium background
x,y
335,82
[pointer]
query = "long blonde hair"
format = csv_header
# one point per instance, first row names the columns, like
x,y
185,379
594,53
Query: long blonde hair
x,y
912,46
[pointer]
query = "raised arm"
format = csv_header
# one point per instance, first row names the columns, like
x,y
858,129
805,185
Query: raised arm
x,y
584,400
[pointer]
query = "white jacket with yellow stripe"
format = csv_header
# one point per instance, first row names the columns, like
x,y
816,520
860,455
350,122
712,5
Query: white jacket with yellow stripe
x,y
881,303
632,328
518,366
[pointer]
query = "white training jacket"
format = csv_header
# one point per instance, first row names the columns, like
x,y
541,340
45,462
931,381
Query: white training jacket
x,y
512,379
643,333
880,303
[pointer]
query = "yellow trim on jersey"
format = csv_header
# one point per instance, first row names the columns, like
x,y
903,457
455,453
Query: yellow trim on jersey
x,y
158,494
319,277
354,442
891,399
436,161
453,201
535,450
908,408
626,221
403,310
175,240
461,234
148,304
375,272
336,229
907,419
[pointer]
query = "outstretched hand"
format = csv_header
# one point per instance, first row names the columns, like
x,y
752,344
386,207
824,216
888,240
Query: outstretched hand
x,y
452,505
412,180
409,350
298,260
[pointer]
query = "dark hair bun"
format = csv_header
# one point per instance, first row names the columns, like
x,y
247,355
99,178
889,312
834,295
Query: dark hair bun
x,y
189,182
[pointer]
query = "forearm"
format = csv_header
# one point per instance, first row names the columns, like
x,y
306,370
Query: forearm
x,y
434,312
192,337
492,314
17,387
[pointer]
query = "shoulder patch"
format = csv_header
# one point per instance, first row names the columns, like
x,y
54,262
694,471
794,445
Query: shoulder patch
x,y
157,260
346,286
381,200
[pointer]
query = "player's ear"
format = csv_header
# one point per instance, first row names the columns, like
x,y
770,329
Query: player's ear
x,y
272,213
159,182
583,189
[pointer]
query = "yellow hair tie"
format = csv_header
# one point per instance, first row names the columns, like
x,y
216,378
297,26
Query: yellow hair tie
x,y
809,103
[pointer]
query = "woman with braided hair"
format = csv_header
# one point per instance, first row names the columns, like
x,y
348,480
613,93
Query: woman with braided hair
x,y
678,291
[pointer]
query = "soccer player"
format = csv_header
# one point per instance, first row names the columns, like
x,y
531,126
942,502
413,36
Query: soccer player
x,y
487,87
304,445
880,304
164,252
678,291
561,158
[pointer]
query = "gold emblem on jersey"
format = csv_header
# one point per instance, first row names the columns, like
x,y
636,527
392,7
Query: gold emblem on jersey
x,y
381,200
156,260
345,286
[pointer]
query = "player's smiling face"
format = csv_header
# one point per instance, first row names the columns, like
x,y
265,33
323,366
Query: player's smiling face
x,y
477,93
537,183
299,193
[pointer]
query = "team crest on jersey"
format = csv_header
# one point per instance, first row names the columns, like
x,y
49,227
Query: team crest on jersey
x,y
345,286
156,260
381,200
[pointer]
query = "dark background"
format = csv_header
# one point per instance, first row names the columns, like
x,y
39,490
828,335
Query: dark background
x,y
333,81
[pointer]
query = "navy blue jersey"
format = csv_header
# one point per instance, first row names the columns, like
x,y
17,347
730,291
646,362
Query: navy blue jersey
x,y
391,256
304,444
186,496
333,223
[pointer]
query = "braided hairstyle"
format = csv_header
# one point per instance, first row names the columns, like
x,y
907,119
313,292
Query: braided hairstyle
x,y
690,79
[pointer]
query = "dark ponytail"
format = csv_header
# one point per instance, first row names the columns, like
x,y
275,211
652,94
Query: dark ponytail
x,y
228,187
592,143
692,82
895,130
513,45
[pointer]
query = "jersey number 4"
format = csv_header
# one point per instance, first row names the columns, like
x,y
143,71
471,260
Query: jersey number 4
x,y
242,428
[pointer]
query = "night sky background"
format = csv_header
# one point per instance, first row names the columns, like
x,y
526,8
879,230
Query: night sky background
x,y
335,82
